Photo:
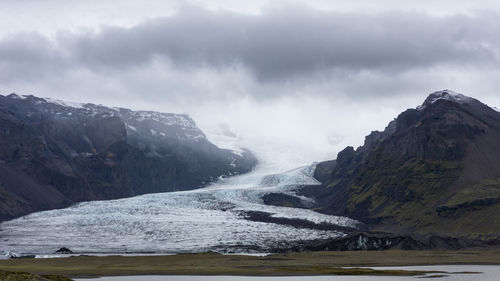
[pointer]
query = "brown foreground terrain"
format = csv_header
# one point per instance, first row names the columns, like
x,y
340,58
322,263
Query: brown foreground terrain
x,y
306,263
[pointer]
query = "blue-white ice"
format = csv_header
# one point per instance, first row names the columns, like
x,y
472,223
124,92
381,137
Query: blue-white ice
x,y
189,221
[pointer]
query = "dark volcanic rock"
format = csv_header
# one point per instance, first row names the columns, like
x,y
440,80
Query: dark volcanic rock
x,y
281,199
434,169
297,223
63,251
384,241
104,131
53,154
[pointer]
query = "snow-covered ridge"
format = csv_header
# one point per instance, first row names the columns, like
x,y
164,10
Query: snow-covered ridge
x,y
64,103
170,119
181,121
445,95
158,124
16,96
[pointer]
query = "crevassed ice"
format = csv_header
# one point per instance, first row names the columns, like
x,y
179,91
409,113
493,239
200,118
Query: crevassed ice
x,y
211,218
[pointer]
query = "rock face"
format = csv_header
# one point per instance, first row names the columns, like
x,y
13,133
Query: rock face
x,y
434,169
53,154
384,241
63,251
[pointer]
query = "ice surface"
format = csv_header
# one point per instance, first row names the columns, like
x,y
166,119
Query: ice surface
x,y
212,218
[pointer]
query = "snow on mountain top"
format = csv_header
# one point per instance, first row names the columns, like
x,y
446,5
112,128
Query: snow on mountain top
x,y
180,126
48,100
16,96
449,95
64,103
445,95
167,118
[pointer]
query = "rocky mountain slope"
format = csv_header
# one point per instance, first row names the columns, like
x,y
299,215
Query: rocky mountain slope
x,y
433,170
54,153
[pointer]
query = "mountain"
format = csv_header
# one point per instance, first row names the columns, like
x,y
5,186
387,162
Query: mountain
x,y
433,170
55,153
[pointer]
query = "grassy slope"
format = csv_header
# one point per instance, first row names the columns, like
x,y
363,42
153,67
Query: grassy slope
x,y
313,263
407,195
437,173
25,276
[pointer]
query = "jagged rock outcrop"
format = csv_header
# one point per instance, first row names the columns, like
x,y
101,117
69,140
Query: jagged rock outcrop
x,y
434,169
53,154
63,251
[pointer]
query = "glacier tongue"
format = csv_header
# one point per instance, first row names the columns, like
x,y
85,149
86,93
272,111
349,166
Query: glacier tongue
x,y
190,221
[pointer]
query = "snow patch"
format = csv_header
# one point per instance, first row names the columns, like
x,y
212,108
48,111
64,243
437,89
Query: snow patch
x,y
64,103
16,96
169,119
131,127
183,122
179,125
445,95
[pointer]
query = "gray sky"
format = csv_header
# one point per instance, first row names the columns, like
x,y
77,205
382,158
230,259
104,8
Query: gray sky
x,y
319,73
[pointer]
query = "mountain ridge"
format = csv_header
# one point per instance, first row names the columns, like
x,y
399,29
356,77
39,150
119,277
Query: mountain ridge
x,y
433,170
53,154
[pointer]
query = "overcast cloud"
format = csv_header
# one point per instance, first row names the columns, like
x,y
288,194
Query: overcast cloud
x,y
280,44
267,69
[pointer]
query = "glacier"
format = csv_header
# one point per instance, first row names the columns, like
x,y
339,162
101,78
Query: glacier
x,y
207,219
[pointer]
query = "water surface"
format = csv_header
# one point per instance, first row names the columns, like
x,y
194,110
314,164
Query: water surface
x,y
486,273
